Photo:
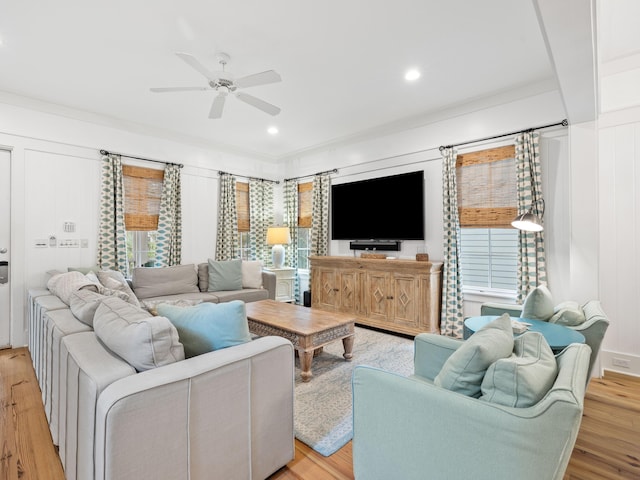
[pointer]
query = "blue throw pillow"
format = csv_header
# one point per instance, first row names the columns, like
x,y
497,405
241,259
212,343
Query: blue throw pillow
x,y
208,326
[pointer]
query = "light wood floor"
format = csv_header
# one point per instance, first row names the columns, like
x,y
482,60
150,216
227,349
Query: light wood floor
x,y
608,445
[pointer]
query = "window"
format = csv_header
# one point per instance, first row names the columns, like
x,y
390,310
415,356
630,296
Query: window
x,y
141,249
244,225
486,205
142,193
304,247
305,202
242,250
489,258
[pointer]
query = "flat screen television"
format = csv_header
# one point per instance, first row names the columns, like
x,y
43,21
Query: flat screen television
x,y
383,208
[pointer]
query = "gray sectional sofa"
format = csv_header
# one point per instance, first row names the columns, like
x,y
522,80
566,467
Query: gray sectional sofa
x,y
223,414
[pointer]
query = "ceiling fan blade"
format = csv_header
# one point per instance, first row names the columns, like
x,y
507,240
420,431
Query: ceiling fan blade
x,y
260,104
217,106
270,76
178,89
191,60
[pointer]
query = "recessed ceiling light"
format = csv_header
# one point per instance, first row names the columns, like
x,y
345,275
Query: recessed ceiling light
x,y
412,75
272,130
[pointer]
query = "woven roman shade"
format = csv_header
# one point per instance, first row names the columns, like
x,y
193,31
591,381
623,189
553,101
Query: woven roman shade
x,y
486,182
142,192
305,203
242,206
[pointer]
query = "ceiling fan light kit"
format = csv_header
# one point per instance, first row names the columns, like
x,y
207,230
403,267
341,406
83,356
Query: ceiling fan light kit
x,y
224,83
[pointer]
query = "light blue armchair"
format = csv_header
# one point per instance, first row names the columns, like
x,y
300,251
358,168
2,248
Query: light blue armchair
x,y
593,328
410,429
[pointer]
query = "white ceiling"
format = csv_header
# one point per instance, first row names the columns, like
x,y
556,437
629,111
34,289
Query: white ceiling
x,y
342,62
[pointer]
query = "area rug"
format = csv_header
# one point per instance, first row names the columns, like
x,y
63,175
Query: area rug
x,y
323,410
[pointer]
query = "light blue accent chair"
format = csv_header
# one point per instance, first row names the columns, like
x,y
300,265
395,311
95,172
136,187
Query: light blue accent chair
x,y
410,429
593,328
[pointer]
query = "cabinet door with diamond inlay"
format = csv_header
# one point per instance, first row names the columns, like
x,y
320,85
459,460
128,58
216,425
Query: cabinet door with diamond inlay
x,y
376,296
350,291
325,290
405,294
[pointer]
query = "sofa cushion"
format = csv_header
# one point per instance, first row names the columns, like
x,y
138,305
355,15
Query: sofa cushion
x,y
203,296
465,368
114,280
251,274
538,304
142,340
246,295
208,326
225,275
568,313
151,305
64,284
155,282
525,377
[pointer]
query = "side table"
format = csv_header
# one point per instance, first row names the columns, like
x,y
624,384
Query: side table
x,y
557,336
284,283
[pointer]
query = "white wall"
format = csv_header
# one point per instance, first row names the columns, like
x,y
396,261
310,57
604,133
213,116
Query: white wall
x,y
619,236
616,179
55,165
417,149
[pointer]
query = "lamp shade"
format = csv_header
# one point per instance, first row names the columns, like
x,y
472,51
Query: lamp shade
x,y
528,222
278,236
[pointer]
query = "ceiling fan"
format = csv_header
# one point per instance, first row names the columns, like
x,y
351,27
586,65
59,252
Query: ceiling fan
x,y
225,83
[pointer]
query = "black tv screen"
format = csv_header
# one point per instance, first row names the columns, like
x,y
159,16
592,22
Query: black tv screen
x,y
384,208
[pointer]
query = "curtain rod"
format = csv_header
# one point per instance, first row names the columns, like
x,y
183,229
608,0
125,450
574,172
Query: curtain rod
x,y
105,152
564,123
220,172
335,170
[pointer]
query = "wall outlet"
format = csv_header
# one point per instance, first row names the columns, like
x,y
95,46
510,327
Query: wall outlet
x,y
621,362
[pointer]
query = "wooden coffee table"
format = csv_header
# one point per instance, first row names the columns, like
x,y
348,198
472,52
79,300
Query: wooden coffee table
x,y
308,329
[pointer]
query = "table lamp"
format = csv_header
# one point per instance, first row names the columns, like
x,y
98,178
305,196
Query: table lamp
x,y
278,236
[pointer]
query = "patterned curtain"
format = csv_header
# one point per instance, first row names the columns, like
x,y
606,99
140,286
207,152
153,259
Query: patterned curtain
x,y
451,321
227,233
112,240
169,236
260,219
531,259
320,215
290,219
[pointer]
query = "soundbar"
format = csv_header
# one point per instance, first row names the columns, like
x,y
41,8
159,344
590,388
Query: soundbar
x,y
384,245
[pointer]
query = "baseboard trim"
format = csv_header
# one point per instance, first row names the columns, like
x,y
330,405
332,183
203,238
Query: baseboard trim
x,y
610,361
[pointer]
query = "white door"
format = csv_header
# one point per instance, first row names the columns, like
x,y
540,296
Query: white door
x,y
5,225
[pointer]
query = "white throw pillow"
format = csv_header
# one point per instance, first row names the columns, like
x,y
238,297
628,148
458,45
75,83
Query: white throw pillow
x,y
64,284
142,340
114,280
251,274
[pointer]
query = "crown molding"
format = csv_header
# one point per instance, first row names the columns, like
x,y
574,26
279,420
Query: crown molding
x,y
464,107
50,108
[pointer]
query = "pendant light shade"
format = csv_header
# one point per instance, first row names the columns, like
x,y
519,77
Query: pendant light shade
x,y
529,221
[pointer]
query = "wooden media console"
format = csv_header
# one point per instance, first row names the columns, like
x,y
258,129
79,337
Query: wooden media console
x,y
397,295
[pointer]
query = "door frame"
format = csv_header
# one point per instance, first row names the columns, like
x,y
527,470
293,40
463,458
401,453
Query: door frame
x,y
9,326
